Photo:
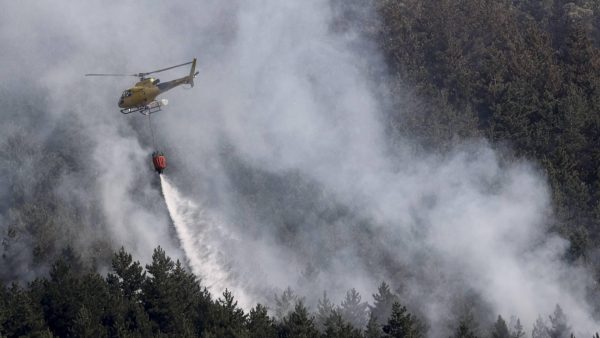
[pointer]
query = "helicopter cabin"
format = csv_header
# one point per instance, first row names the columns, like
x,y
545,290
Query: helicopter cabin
x,y
127,93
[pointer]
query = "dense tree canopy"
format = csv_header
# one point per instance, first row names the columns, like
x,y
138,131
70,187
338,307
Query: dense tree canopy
x,y
521,73
161,300
166,300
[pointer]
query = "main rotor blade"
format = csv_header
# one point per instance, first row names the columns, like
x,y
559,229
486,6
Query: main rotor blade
x,y
111,75
162,70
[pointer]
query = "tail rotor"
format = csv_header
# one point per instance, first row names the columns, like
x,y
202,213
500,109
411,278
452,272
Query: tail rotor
x,y
193,73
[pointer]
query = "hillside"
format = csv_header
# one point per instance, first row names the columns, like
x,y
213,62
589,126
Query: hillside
x,y
523,74
389,168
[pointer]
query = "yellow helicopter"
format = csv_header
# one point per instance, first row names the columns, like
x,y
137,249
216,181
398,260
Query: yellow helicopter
x,y
142,97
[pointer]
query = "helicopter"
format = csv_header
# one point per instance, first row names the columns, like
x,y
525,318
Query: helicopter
x,y
142,96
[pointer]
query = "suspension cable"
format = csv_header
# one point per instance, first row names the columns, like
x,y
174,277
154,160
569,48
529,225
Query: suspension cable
x,y
152,132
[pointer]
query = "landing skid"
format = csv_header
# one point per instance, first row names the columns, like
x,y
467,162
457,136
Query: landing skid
x,y
148,109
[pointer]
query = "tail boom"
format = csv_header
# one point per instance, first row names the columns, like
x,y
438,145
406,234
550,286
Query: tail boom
x,y
164,86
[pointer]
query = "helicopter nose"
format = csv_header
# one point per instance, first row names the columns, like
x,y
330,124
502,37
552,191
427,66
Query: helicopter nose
x,y
121,103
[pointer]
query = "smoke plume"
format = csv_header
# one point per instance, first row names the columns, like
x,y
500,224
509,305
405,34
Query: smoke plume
x,y
281,172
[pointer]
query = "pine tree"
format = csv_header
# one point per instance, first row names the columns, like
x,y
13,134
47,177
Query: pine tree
x,y
517,331
260,324
20,315
86,326
324,309
159,296
577,54
373,330
500,329
130,274
3,304
383,301
285,303
228,320
401,324
337,327
560,327
540,329
60,301
298,324
189,296
124,316
135,322
353,310
464,330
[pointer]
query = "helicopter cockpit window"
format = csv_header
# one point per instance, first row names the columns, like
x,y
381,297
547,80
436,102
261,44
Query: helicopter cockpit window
x,y
126,93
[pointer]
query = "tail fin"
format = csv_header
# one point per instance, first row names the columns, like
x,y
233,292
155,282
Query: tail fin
x,y
193,73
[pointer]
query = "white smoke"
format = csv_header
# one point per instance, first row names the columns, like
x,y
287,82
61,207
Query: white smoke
x,y
292,98
283,133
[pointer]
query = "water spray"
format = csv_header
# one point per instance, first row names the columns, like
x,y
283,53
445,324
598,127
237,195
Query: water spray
x,y
202,241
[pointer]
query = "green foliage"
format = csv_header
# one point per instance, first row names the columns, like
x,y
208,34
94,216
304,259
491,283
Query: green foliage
x,y
500,329
373,330
383,301
298,324
130,274
337,327
173,298
324,309
228,320
166,300
86,326
559,325
354,311
284,304
522,73
260,324
464,330
517,331
519,72
61,301
20,315
159,302
401,323
540,329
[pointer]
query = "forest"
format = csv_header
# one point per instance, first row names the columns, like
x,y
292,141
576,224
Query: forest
x,y
162,299
522,74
